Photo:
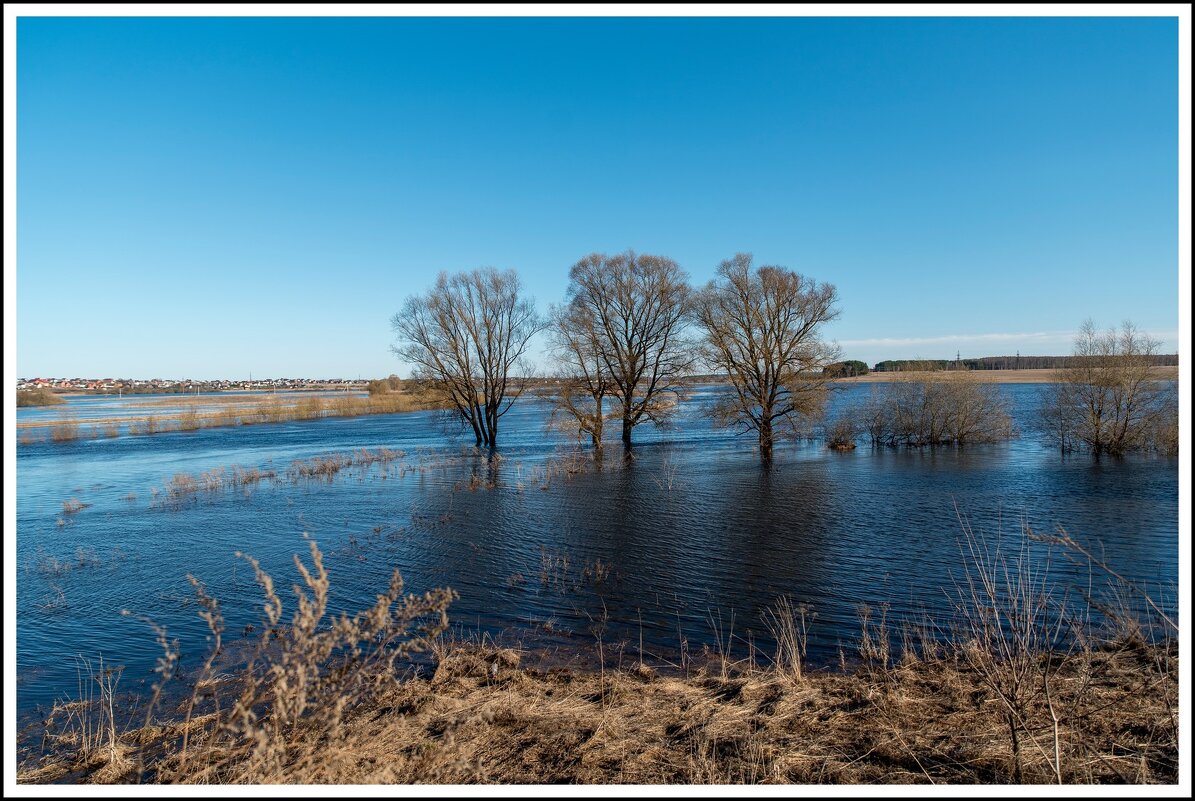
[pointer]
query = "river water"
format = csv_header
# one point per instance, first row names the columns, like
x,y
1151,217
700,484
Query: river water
x,y
693,537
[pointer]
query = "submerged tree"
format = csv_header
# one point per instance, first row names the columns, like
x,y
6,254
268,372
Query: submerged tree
x,y
1108,399
585,381
762,328
636,305
469,334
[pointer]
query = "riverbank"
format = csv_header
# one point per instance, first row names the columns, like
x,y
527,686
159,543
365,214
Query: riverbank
x,y
479,717
1022,688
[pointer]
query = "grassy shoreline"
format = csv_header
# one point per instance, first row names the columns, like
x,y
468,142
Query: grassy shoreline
x,y
999,698
271,410
480,716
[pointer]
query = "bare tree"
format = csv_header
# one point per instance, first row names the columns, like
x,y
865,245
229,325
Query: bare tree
x,y
469,334
637,306
1107,400
762,329
585,381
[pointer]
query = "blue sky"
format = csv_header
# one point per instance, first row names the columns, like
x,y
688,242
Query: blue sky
x,y
212,197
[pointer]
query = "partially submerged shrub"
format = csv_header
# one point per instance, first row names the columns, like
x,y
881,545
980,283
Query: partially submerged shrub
x,y
1109,401
65,430
947,409
73,505
841,434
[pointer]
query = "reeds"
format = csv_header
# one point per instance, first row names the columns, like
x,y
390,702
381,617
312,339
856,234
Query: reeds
x,y
182,486
87,724
65,430
54,567
788,623
272,410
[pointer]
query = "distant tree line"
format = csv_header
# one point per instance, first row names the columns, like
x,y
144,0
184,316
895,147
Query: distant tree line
x,y
847,369
1003,363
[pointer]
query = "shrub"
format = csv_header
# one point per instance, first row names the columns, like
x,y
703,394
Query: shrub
x,y
42,396
384,385
1108,400
841,435
947,409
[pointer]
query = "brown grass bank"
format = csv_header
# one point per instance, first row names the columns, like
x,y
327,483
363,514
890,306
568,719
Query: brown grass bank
x,y
324,700
480,717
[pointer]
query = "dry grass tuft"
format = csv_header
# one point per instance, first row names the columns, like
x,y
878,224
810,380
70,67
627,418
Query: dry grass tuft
x,y
73,505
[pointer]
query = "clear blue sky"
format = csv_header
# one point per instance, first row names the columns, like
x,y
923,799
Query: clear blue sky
x,y
210,197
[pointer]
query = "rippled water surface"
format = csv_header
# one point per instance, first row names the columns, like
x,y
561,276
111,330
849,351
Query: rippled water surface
x,y
692,532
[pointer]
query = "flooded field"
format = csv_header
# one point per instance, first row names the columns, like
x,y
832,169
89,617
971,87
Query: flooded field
x,y
692,537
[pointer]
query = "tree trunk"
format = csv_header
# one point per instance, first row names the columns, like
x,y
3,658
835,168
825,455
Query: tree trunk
x,y
484,435
598,422
476,429
1016,748
627,425
765,439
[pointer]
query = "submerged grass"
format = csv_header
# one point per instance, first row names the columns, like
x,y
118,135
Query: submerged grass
x,y
325,699
237,413
183,486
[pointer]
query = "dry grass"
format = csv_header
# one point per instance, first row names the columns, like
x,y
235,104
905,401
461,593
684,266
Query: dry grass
x,y
73,505
321,700
65,430
238,412
184,486
53,566
87,725
480,717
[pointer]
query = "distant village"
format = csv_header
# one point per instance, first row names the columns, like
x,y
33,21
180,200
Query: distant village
x,y
136,385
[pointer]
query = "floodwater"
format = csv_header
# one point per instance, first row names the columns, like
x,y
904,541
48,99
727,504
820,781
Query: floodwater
x,y
692,537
